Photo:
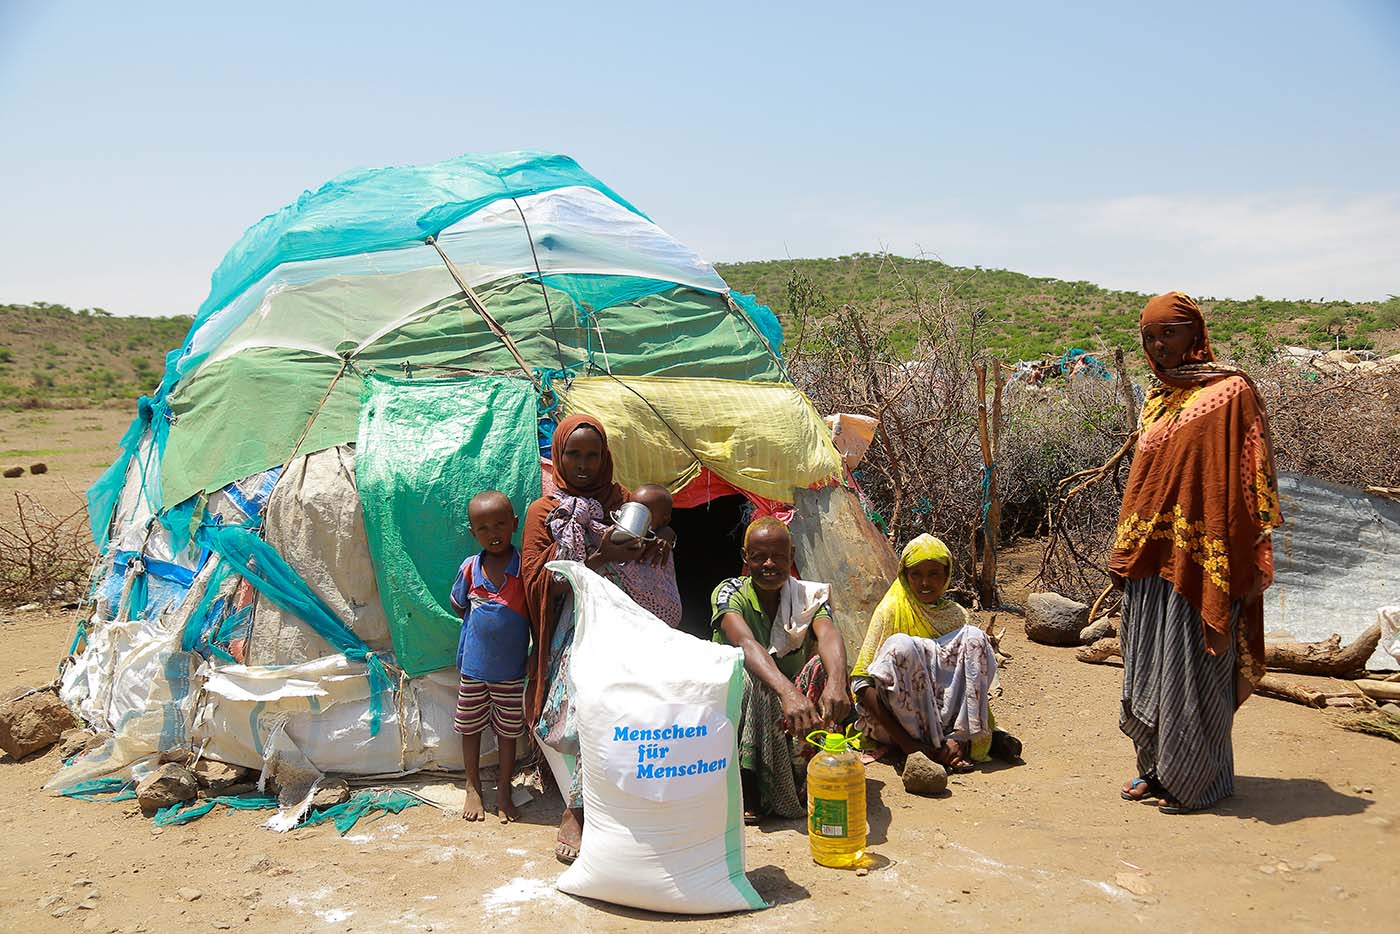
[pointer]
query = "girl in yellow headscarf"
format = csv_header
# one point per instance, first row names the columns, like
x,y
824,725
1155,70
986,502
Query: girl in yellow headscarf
x,y
923,675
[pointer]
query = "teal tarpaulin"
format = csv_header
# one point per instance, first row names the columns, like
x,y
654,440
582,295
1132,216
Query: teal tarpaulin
x,y
426,447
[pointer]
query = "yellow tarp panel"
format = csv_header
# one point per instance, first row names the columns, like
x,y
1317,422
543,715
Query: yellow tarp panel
x,y
762,437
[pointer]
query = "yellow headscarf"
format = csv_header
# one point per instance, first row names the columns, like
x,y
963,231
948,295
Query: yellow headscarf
x,y
901,611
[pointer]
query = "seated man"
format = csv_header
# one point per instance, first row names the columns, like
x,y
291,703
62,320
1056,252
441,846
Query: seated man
x,y
794,668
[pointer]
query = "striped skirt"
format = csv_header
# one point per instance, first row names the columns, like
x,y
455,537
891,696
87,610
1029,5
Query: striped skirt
x,y
1178,702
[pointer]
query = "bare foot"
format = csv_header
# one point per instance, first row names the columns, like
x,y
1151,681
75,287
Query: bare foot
x,y
570,837
473,810
505,808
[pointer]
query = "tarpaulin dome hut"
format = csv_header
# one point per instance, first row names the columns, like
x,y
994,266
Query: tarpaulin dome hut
x,y
280,530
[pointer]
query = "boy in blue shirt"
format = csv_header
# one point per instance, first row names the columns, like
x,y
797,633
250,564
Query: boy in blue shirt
x,y
495,639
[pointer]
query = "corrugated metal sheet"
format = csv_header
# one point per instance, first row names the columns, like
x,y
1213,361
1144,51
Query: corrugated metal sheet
x,y
1336,562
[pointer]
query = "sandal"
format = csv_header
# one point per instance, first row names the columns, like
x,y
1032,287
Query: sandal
x,y
1005,747
752,818
1173,806
564,852
1127,793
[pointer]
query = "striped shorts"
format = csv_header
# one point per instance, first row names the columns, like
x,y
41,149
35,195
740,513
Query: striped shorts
x,y
502,704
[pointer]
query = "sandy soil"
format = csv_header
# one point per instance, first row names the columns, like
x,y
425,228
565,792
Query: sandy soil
x,y
1046,845
75,444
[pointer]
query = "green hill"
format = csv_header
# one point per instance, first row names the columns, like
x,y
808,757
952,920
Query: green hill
x,y
1028,316
55,356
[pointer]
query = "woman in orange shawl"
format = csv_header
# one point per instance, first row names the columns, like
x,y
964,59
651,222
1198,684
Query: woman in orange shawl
x,y
1193,555
570,524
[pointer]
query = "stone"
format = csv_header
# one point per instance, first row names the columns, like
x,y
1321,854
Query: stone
x,y
1392,711
1104,628
1055,620
1134,882
77,741
923,776
38,468
189,895
33,722
219,777
167,785
331,792
11,473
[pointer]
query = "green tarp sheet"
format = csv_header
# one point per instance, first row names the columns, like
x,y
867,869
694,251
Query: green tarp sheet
x,y
242,414
426,447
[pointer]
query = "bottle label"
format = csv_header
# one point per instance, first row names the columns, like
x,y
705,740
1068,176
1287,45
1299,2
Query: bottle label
x,y
828,817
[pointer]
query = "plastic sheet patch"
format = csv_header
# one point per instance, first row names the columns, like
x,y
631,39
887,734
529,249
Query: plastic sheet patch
x,y
426,447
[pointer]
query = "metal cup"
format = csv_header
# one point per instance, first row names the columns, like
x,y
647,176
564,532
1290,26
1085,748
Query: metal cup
x,y
631,521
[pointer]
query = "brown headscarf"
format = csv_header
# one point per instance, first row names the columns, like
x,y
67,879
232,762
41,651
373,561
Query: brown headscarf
x,y
1202,494
1177,308
537,548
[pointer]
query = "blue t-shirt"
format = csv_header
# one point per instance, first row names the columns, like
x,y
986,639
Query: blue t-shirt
x,y
496,624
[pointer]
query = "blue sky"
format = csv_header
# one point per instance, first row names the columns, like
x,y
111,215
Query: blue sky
x,y
1227,149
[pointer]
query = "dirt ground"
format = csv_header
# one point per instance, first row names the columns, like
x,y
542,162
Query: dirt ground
x,y
1306,843
75,444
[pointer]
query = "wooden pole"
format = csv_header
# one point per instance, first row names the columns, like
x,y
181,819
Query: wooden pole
x,y
988,433
1379,690
1284,690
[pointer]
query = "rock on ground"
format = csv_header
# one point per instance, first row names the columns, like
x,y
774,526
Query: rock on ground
x,y
219,777
332,791
1105,628
1055,620
167,785
923,776
77,741
33,722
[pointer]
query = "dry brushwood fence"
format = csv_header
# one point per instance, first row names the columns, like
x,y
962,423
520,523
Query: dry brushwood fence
x,y
1065,448
911,363
44,555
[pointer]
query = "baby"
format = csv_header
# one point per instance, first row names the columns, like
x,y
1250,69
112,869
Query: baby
x,y
653,577
491,650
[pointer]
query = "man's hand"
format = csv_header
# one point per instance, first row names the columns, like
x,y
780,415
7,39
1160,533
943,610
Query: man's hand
x,y
799,716
835,703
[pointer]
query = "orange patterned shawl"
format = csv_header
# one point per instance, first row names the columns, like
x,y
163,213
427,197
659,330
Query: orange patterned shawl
x,y
1202,495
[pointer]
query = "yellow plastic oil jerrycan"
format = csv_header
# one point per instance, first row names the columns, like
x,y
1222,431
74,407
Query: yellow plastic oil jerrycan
x,y
836,800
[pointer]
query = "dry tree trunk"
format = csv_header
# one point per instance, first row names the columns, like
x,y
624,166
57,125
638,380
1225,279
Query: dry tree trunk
x,y
1304,658
1326,657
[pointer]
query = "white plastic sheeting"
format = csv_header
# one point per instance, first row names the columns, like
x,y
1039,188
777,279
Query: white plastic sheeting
x,y
1336,563
324,708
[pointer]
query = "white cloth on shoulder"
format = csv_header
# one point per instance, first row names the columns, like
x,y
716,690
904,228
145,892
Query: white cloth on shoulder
x,y
799,603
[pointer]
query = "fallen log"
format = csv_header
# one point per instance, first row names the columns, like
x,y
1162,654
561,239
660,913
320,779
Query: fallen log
x,y
1283,690
1304,658
1326,657
1379,690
